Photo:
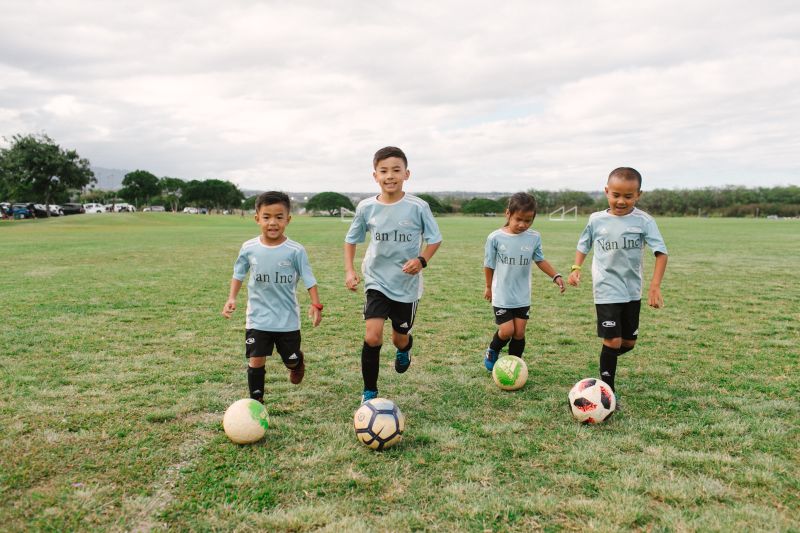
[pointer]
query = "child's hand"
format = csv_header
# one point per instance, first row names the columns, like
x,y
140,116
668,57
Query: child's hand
x,y
574,278
229,308
654,298
413,267
351,280
487,293
560,282
315,315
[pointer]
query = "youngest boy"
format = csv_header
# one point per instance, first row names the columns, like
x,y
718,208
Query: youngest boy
x,y
618,236
275,263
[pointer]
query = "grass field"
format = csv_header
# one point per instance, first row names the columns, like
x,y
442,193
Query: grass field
x,y
116,367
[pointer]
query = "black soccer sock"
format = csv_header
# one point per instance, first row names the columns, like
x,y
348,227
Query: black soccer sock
x,y
255,381
409,345
370,364
608,365
516,346
625,349
497,343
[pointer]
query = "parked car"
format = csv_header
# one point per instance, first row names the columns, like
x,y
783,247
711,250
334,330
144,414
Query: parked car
x,y
191,210
21,211
154,208
41,211
72,209
124,208
94,208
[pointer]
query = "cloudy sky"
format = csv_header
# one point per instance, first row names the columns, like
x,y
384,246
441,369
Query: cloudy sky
x,y
482,96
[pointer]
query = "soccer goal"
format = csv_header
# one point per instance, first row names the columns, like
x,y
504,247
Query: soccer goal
x,y
346,215
562,213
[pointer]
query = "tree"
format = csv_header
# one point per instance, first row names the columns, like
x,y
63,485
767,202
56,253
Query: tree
x,y
139,185
172,189
479,206
36,165
331,202
436,206
212,193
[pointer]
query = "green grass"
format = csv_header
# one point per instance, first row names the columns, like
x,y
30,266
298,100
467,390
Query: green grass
x,y
116,367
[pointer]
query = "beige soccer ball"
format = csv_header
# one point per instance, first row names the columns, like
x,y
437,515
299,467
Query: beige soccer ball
x,y
592,401
379,423
245,421
510,372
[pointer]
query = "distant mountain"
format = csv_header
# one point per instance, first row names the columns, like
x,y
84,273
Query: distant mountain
x,y
109,179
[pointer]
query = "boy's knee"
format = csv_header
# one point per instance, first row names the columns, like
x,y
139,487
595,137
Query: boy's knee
x,y
506,330
614,343
372,339
256,362
627,345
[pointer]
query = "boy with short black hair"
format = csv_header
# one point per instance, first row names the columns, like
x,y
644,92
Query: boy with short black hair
x,y
618,236
275,263
398,224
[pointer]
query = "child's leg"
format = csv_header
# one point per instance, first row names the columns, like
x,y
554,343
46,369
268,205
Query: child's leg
x,y
288,346
402,315
517,344
258,344
255,377
371,352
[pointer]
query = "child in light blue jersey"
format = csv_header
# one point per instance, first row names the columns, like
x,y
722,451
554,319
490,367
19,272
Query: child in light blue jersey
x,y
398,224
275,263
508,256
618,236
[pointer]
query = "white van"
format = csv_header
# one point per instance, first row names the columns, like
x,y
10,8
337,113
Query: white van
x,y
94,208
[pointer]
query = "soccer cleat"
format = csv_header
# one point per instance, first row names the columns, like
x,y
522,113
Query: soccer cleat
x,y
368,395
296,374
402,360
489,359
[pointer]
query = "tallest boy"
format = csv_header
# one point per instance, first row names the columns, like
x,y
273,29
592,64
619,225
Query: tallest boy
x,y
398,223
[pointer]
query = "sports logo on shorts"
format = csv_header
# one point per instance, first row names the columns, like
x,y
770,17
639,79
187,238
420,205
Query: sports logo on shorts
x,y
500,312
609,324
635,333
292,357
404,325
250,340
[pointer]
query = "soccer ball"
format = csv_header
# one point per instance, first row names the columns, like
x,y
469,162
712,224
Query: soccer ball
x,y
245,421
592,401
379,423
510,372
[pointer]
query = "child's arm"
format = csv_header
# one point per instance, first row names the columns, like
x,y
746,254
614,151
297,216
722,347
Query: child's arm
x,y
230,305
654,298
575,273
350,277
315,309
488,273
548,269
414,266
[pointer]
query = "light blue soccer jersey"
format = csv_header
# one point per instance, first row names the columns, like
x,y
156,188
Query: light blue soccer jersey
x,y
397,232
618,260
272,301
511,257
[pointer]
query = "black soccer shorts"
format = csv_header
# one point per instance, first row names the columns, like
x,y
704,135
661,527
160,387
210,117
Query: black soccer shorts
x,y
618,320
402,314
260,343
506,314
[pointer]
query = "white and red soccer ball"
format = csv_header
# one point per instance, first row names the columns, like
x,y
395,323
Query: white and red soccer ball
x,y
592,401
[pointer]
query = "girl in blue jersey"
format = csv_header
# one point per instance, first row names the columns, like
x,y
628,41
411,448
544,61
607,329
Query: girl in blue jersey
x,y
509,254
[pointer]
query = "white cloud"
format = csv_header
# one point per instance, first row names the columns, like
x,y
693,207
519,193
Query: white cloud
x,y
519,95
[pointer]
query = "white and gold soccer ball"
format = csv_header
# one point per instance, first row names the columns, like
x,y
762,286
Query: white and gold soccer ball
x,y
245,421
379,423
592,401
510,372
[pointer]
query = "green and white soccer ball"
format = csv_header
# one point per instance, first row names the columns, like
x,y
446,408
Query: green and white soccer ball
x,y
379,423
245,421
510,372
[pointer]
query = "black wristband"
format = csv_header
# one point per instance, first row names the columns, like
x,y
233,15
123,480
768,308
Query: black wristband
x,y
422,261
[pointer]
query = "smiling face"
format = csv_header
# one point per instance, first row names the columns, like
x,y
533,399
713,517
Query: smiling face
x,y
390,173
273,219
622,195
519,221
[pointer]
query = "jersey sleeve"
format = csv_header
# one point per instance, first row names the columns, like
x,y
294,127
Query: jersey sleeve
x,y
304,268
490,253
585,240
430,229
653,238
241,266
538,253
358,228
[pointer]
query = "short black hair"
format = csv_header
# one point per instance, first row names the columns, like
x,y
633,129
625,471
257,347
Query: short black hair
x,y
273,197
521,202
626,173
386,152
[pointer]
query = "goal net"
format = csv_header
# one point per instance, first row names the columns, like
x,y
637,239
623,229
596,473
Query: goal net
x,y
562,213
